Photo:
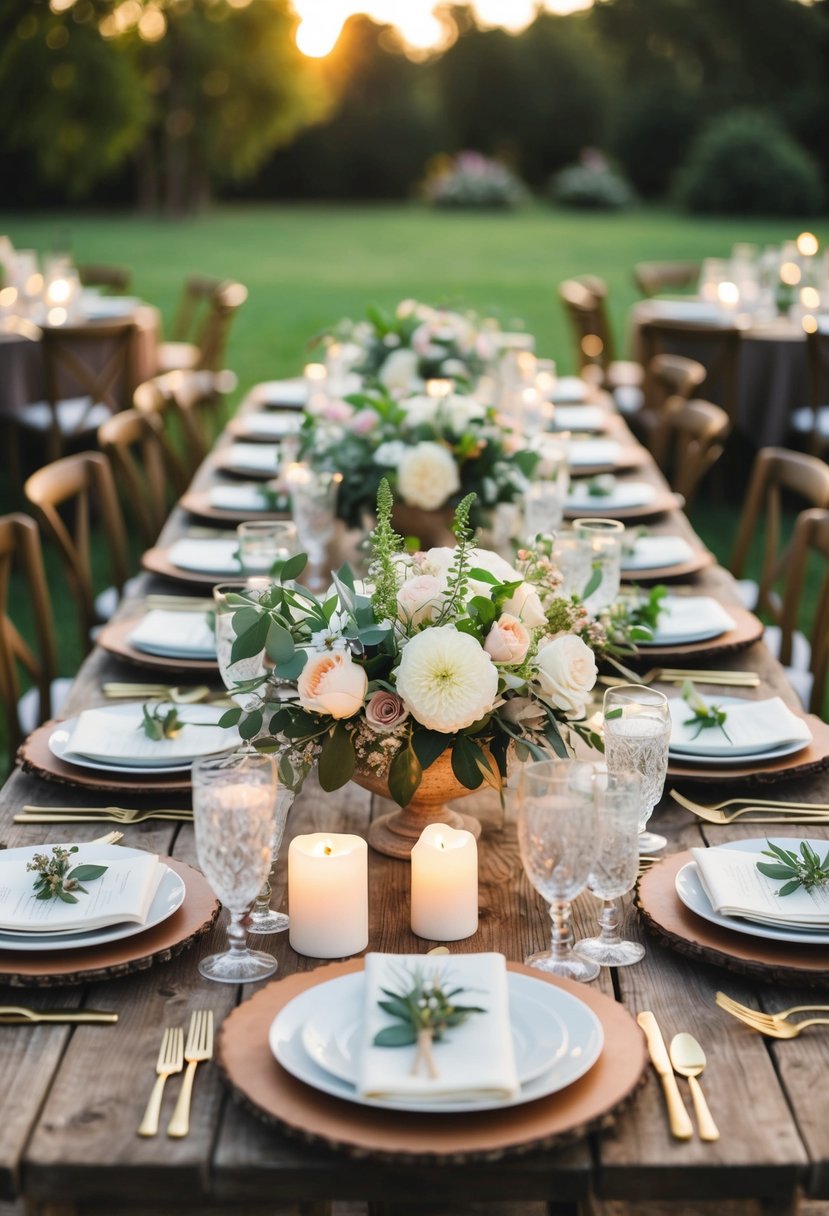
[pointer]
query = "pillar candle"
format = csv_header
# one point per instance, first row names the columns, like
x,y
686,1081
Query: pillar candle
x,y
444,884
328,895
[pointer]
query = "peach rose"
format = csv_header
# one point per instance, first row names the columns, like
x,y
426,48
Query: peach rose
x,y
332,683
507,641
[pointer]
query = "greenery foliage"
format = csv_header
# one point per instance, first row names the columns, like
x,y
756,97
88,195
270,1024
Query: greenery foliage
x,y
591,184
472,180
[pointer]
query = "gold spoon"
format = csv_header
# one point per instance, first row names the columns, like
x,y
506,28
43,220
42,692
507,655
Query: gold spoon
x,y
688,1059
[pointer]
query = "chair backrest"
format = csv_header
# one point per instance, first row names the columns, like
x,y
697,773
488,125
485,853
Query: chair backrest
x,y
715,346
667,378
698,431
817,350
66,494
149,473
20,552
776,471
224,304
811,536
191,400
91,362
199,290
99,274
585,303
654,277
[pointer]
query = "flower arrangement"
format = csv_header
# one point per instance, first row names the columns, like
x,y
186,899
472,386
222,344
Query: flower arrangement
x,y
446,650
471,179
432,451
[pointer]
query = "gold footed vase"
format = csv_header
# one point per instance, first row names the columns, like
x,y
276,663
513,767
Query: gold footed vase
x,y
432,528
397,834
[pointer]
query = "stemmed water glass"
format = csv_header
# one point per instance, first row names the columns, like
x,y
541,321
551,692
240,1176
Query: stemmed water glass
x,y
313,506
556,817
233,815
613,873
262,542
263,919
637,732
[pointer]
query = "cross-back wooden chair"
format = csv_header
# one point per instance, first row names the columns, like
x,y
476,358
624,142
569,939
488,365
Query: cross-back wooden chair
x,y
717,347
696,433
67,494
88,377
810,424
20,552
585,304
668,378
654,277
99,274
149,473
191,400
776,471
810,537
202,325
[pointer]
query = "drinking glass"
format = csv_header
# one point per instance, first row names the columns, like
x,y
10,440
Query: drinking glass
x,y
556,818
637,731
573,558
313,504
262,542
263,919
605,539
613,874
233,816
543,509
228,599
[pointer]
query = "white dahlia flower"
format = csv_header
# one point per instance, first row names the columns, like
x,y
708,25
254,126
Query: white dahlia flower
x,y
447,681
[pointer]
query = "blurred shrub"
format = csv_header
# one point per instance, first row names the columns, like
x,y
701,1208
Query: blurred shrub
x,y
470,179
745,161
655,125
591,184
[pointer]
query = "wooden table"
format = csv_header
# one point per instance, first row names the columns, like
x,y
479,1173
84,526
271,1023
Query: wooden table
x,y
73,1098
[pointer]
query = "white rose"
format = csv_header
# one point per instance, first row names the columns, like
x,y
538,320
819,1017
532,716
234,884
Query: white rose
x,y
460,411
447,681
566,674
525,711
420,411
418,599
427,476
390,453
332,683
399,371
507,641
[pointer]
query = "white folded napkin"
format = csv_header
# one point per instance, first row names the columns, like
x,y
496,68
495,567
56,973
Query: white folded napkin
x,y
689,618
251,458
649,552
579,418
570,390
284,394
175,634
206,556
625,494
751,726
735,887
114,734
584,453
474,1060
247,496
269,426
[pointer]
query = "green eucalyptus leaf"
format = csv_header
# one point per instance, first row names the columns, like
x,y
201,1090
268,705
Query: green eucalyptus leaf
x,y
395,1036
337,759
405,774
279,645
87,873
466,759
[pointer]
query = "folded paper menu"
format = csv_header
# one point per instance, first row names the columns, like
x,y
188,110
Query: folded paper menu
x,y
579,418
114,734
270,426
689,618
750,727
735,887
206,556
474,1060
650,552
253,457
245,497
124,892
623,495
584,453
175,634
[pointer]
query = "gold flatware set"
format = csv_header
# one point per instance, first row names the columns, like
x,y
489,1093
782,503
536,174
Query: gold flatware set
x,y
178,603
197,1050
178,694
755,810
678,675
773,1025
687,1059
17,1015
93,814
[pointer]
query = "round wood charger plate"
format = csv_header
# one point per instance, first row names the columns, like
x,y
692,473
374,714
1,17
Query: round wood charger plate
x,y
274,1095
193,920
197,502
747,629
157,561
114,637
682,930
812,759
36,756
662,501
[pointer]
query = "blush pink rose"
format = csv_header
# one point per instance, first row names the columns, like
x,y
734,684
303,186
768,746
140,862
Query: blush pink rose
x,y
363,422
418,599
507,641
385,710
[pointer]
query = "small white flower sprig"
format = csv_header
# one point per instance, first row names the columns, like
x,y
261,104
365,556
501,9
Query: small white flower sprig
x,y
423,1009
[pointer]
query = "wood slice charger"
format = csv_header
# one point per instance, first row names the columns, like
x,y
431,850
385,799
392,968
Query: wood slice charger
x,y
276,1097
811,759
115,636
37,757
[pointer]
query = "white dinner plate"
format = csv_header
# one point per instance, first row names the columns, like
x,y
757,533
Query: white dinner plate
x,y
168,899
60,736
579,418
273,425
730,754
250,459
653,552
717,623
544,1010
625,496
570,390
692,894
289,394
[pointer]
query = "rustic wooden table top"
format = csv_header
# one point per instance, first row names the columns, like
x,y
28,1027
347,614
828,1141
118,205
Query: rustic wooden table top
x,y
73,1097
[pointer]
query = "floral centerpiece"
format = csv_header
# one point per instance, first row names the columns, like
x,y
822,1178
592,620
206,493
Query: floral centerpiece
x,y
433,450
450,655
471,179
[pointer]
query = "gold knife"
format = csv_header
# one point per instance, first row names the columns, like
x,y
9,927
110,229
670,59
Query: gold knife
x,y
678,1117
14,1015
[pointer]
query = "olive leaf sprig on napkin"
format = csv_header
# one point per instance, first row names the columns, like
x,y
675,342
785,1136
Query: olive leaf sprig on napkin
x,y
424,1009
705,716
160,721
55,880
806,870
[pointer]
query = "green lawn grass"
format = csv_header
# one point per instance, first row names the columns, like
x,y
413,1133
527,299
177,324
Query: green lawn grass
x,y
306,266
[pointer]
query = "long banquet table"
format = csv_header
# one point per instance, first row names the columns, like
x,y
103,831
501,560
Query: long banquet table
x,y
73,1097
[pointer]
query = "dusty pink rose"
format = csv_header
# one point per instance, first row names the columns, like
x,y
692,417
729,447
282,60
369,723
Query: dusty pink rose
x,y
418,599
363,422
385,710
507,641
332,683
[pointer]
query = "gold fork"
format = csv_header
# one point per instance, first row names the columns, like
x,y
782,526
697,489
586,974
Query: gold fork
x,y
731,1006
170,1060
777,1030
113,814
678,675
179,695
763,811
198,1049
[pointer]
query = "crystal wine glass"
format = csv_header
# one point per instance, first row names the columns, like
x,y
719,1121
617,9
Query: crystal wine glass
x,y
233,815
262,542
605,539
263,919
637,732
617,797
313,506
556,835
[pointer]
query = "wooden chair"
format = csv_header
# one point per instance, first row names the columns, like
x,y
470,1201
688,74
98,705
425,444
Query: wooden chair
x,y
20,552
668,378
811,537
585,303
191,402
652,278
65,495
149,473
696,434
776,471
202,325
115,278
810,424
91,362
717,347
